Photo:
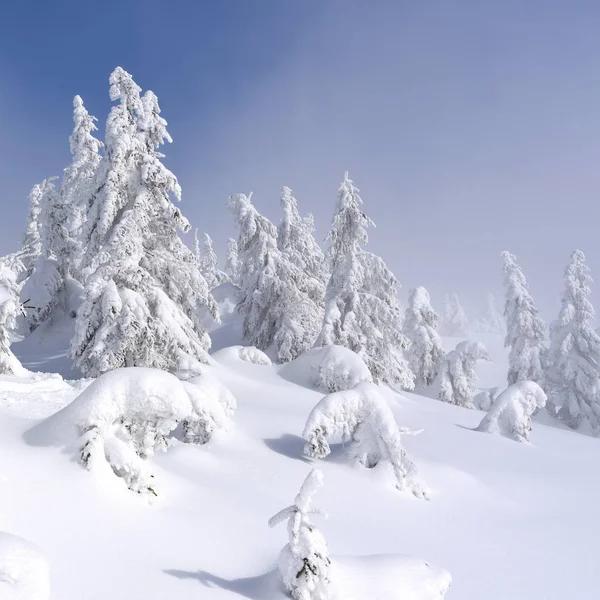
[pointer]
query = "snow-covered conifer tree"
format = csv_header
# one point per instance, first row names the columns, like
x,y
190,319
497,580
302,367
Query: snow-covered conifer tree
x,y
144,295
232,263
420,327
276,313
492,320
78,188
573,374
296,242
207,261
10,309
45,282
455,322
362,311
304,562
525,330
457,379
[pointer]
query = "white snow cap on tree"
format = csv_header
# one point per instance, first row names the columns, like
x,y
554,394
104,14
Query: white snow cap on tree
x,y
363,416
457,379
420,327
455,322
362,311
573,375
525,330
144,296
277,315
304,562
232,263
511,413
207,261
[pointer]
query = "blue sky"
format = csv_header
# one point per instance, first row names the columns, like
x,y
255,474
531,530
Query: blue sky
x,y
469,126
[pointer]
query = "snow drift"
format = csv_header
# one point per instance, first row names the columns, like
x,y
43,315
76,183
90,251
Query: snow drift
x,y
330,369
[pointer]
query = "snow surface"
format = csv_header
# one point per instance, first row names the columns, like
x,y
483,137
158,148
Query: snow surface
x,y
24,571
507,520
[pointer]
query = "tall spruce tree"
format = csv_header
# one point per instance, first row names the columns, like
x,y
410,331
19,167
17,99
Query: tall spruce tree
x,y
144,295
573,373
525,330
362,311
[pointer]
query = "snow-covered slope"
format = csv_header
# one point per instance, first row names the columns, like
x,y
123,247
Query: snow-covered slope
x,y
507,520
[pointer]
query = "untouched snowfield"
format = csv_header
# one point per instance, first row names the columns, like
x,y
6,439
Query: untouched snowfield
x,y
507,520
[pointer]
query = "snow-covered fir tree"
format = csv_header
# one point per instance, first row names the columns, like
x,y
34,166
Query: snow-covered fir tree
x,y
455,322
420,327
276,313
45,282
525,330
144,294
78,188
55,230
362,311
207,261
40,194
457,379
492,321
573,374
10,310
296,241
232,263
304,562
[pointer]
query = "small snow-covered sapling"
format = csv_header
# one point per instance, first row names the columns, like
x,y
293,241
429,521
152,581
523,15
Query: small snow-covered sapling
x,y
304,562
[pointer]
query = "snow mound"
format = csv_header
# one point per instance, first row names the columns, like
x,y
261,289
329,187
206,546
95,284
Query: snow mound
x,y
331,369
125,415
363,416
246,353
511,412
387,577
24,571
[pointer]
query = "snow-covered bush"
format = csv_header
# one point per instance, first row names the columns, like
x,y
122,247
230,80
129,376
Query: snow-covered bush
x,y
362,310
125,416
573,372
363,416
24,570
213,407
525,330
457,379
250,354
420,327
330,369
485,398
511,413
254,355
304,562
